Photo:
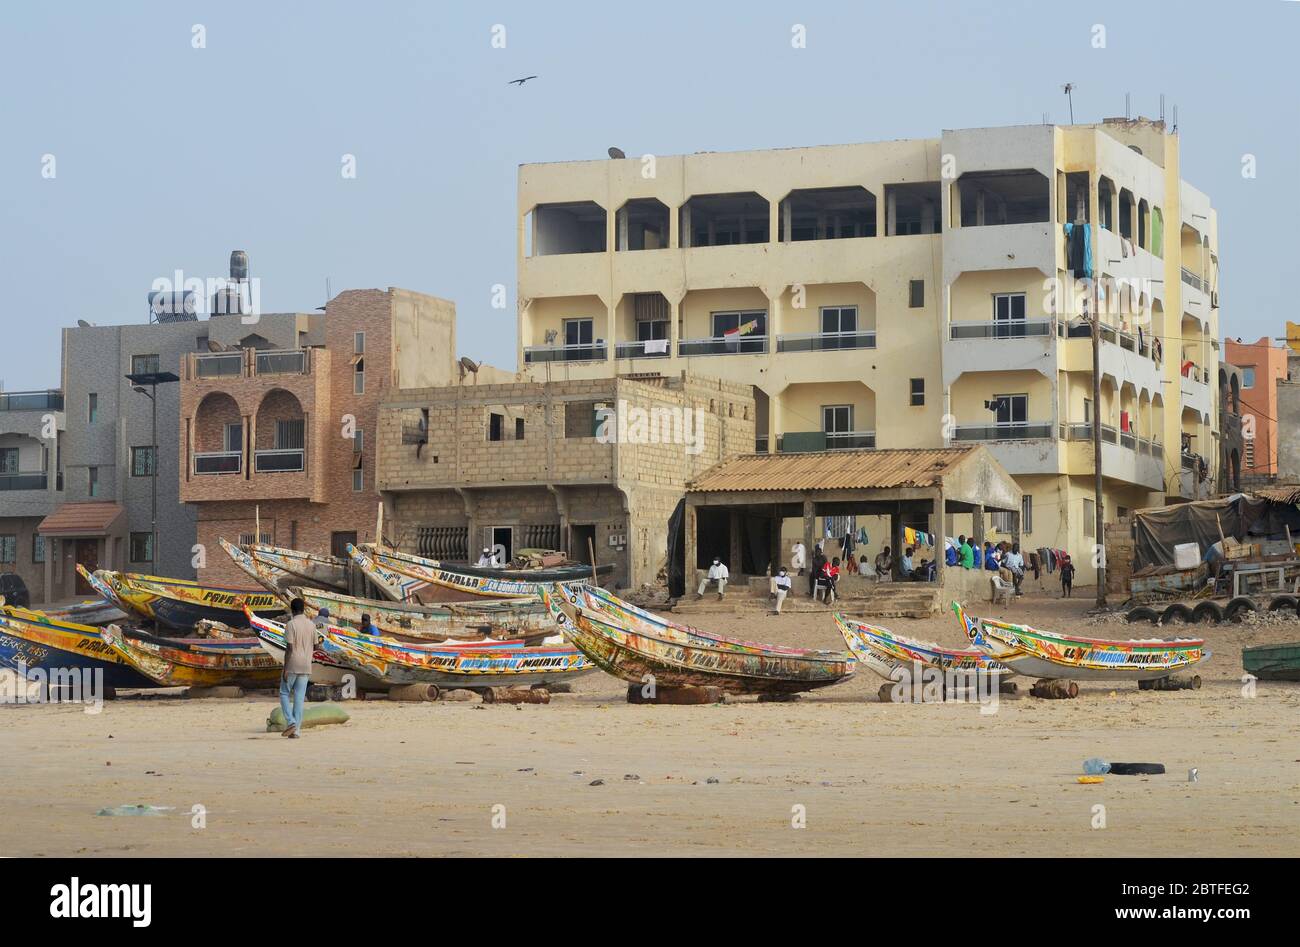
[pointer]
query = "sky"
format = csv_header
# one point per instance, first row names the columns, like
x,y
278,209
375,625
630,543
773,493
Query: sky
x,y
167,156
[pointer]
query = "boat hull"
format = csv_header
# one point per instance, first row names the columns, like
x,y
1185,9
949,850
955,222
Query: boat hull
x,y
692,660
231,662
327,571
469,620
404,577
324,670
49,646
885,652
1277,662
180,604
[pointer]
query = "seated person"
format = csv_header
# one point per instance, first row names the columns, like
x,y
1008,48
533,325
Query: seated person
x,y
830,576
991,558
950,554
905,565
884,565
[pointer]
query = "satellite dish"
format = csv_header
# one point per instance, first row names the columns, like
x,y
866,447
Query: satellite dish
x,y
215,346
469,365
616,153
551,335
83,323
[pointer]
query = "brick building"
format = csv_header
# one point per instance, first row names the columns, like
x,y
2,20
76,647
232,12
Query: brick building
x,y
560,464
284,435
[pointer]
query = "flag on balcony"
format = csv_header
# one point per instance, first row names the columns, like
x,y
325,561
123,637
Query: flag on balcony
x,y
740,330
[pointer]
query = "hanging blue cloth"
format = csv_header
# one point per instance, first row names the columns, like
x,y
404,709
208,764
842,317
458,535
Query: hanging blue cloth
x,y
1080,249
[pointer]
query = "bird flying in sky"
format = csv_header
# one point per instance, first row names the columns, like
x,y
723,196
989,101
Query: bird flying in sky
x,y
520,82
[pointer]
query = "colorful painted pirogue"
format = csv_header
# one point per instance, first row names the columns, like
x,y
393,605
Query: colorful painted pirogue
x,y
327,571
180,604
884,651
324,669
403,576
96,612
201,662
514,618
461,664
1045,654
680,656
30,641
270,577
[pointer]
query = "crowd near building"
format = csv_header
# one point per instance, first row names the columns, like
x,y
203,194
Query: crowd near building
x,y
675,313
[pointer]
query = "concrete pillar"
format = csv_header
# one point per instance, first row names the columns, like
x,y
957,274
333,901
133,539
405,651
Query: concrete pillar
x,y
787,220
896,538
49,570
621,218
928,223
977,525
734,528
809,529
777,553
1015,527
938,530
690,529
891,213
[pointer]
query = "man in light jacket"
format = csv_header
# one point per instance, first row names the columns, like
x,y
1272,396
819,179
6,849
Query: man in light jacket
x,y
717,573
299,645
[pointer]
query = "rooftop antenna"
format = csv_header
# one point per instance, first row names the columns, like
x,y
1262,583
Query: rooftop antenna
x,y
1068,89
1162,106
1128,114
1175,128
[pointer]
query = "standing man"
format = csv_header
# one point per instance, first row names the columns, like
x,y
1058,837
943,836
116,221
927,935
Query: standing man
x,y
1067,577
717,573
815,573
781,585
846,551
798,556
299,644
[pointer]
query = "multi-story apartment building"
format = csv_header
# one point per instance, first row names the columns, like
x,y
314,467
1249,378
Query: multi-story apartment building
x,y
1262,364
31,483
906,294
278,430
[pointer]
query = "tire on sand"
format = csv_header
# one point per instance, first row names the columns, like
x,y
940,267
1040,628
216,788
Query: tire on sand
x,y
1283,603
1238,607
1142,613
1176,612
1207,613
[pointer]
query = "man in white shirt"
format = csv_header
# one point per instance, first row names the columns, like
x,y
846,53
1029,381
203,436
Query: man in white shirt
x,y
717,573
487,560
1016,563
781,586
798,556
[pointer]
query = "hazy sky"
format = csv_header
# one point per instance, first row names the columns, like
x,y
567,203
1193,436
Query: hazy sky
x,y
168,157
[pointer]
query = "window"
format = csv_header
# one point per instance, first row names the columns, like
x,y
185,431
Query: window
x,y
358,441
750,323
38,548
836,419
142,461
359,377
8,460
1011,409
358,343
144,364
578,331
8,547
232,439
1087,410
1089,518
918,392
142,547
648,330
289,434
1009,315
1248,378
495,422
916,294
247,539
519,429
839,319
92,481
1250,452
92,407
358,480
1026,514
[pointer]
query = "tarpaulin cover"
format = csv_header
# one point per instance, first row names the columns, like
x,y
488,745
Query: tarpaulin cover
x,y
677,550
1158,531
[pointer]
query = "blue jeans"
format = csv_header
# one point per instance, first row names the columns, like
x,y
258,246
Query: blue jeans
x,y
297,685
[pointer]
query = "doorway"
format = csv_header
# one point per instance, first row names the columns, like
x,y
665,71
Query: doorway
x,y
339,543
582,541
87,556
501,540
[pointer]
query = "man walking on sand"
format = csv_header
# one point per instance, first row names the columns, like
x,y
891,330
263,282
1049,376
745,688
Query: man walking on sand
x,y
299,643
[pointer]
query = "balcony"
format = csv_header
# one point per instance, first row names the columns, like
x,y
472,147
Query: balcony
x,y
249,363
638,349
989,329
745,345
1026,431
223,365
1194,281
826,341
1124,455
793,442
24,481
31,401
281,363
566,353
218,462
279,461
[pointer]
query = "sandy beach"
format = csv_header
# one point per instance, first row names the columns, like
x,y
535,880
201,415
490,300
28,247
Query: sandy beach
x,y
868,778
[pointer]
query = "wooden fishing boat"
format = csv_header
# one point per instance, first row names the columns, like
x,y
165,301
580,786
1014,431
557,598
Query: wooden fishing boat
x,y
679,656
884,651
86,613
1046,654
1273,662
453,665
199,662
513,618
181,603
270,577
405,577
324,669
327,571
30,641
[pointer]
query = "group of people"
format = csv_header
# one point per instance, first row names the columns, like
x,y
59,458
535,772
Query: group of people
x,y
1002,558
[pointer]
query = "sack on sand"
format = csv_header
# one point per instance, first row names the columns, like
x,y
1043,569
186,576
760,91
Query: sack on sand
x,y
318,716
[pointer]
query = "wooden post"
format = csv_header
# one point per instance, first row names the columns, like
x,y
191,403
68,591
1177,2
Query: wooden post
x,y
591,551
379,526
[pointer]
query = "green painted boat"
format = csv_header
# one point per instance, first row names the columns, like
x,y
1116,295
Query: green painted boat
x,y
1273,662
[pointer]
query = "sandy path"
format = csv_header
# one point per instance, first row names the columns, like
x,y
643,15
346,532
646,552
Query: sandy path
x,y
873,778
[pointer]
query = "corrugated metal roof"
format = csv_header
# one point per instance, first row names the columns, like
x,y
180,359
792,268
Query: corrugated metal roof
x,y
1281,493
832,470
89,518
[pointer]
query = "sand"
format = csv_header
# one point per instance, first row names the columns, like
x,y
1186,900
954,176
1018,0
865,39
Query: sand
x,y
862,777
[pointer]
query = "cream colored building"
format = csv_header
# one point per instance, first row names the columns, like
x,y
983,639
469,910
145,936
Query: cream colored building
x,y
905,294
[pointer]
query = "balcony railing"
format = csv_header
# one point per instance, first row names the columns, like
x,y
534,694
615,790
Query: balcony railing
x,y
31,401
1024,431
816,441
986,329
826,341
638,349
220,365
218,462
1192,280
565,353
24,481
744,345
282,363
278,461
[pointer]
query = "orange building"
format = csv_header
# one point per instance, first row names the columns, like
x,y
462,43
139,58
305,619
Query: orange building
x,y
1262,363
